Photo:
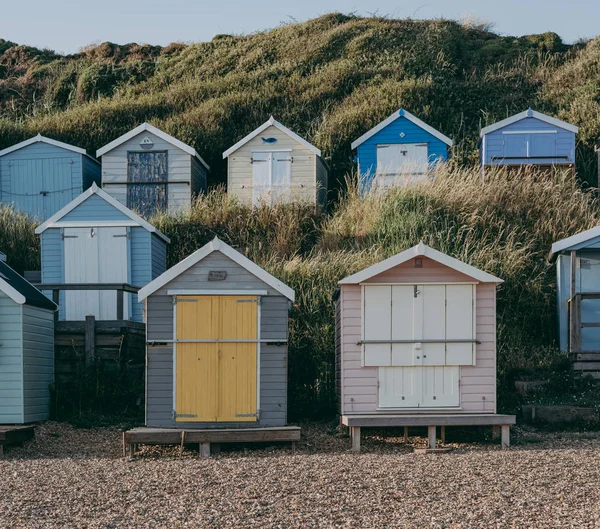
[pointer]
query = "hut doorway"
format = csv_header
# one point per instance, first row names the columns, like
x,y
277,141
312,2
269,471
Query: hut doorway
x,y
216,371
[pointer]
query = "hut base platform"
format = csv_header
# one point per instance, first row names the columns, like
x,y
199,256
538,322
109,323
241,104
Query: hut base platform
x,y
205,437
432,421
14,435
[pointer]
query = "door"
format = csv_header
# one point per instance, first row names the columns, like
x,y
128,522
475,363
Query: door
x,y
401,159
418,336
543,145
147,175
516,145
271,177
95,255
216,358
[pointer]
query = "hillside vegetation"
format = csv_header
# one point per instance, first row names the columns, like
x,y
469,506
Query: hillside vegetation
x,y
330,79
505,226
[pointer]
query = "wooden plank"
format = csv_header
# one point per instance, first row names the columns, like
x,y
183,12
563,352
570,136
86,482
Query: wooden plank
x,y
355,437
505,436
431,436
586,366
463,419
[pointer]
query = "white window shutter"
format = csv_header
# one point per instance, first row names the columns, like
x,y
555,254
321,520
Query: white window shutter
x,y
460,324
281,179
377,321
261,177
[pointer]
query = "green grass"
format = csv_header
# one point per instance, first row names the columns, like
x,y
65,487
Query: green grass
x,y
330,79
505,226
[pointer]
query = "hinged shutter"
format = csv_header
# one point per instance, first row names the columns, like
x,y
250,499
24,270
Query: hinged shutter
x,y
460,324
261,176
281,177
377,325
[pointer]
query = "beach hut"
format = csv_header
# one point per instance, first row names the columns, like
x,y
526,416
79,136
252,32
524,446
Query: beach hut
x,y
26,349
217,334
40,175
578,298
96,240
529,138
149,171
272,164
400,149
416,345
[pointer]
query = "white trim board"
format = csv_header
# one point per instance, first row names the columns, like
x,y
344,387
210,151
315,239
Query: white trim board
x,y
215,245
93,224
146,127
271,122
42,139
417,251
529,113
216,292
396,115
529,132
95,190
12,292
575,240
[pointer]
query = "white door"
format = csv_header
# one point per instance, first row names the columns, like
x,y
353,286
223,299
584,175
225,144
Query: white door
x,y
408,159
95,255
261,177
400,387
281,172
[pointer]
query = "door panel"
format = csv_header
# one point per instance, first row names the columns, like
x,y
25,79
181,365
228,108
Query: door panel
x,y
377,324
460,324
113,268
221,385
26,182
515,145
543,145
81,266
261,177
434,323
399,387
281,177
150,170
403,324
440,387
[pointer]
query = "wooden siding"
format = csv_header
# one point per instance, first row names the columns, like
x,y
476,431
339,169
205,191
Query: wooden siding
x,y
273,358
92,173
430,272
338,354
493,150
303,177
159,256
38,167
477,383
367,151
140,263
95,208
11,361
53,263
199,178
114,171
38,362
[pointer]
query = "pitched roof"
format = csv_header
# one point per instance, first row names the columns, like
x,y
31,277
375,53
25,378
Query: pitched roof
x,y
213,246
576,240
271,122
95,190
21,291
396,115
42,139
529,113
417,251
157,132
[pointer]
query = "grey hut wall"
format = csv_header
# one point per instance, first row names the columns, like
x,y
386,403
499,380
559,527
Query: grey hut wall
x,y
273,358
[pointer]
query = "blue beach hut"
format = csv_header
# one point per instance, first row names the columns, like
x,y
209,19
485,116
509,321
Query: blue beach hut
x,y
40,175
402,147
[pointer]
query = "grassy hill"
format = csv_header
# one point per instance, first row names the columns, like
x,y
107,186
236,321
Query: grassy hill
x,y
330,79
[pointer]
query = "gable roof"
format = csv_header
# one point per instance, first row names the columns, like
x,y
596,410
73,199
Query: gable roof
x,y
271,121
213,246
146,127
417,251
21,291
95,190
529,113
42,139
396,115
576,240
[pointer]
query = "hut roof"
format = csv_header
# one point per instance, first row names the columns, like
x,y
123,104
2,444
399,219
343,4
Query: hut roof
x,y
529,113
576,241
21,291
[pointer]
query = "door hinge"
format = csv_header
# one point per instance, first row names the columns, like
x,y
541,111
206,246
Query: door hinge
x,y
126,236
183,300
417,292
247,300
69,236
184,416
246,415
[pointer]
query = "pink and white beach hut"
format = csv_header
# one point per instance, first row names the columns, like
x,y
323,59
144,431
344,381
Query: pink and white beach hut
x,y
416,345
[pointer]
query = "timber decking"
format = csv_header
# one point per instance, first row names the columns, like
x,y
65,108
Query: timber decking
x,y
355,422
14,435
168,436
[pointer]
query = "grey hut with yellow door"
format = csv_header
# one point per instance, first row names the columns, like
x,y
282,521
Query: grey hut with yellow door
x,y
217,330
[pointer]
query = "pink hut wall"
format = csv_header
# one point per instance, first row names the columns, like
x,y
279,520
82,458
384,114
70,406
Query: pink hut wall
x,y
357,388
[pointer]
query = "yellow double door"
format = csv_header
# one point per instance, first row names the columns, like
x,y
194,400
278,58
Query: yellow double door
x,y
216,358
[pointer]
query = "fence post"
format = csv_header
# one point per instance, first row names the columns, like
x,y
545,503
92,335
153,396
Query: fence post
x,y
90,339
119,304
56,299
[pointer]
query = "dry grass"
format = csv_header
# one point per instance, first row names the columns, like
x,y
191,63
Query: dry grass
x,y
76,478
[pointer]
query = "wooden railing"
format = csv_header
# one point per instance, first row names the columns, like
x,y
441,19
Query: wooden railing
x,y
120,288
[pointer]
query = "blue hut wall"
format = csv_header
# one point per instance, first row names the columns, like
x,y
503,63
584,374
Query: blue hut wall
x,y
147,252
366,157
499,148
63,174
587,279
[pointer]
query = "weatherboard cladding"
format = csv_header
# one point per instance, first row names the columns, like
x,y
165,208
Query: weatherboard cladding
x,y
497,151
367,151
358,385
38,167
179,171
273,358
11,361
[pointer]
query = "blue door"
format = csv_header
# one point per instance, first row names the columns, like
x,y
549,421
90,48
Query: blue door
x,y
515,145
